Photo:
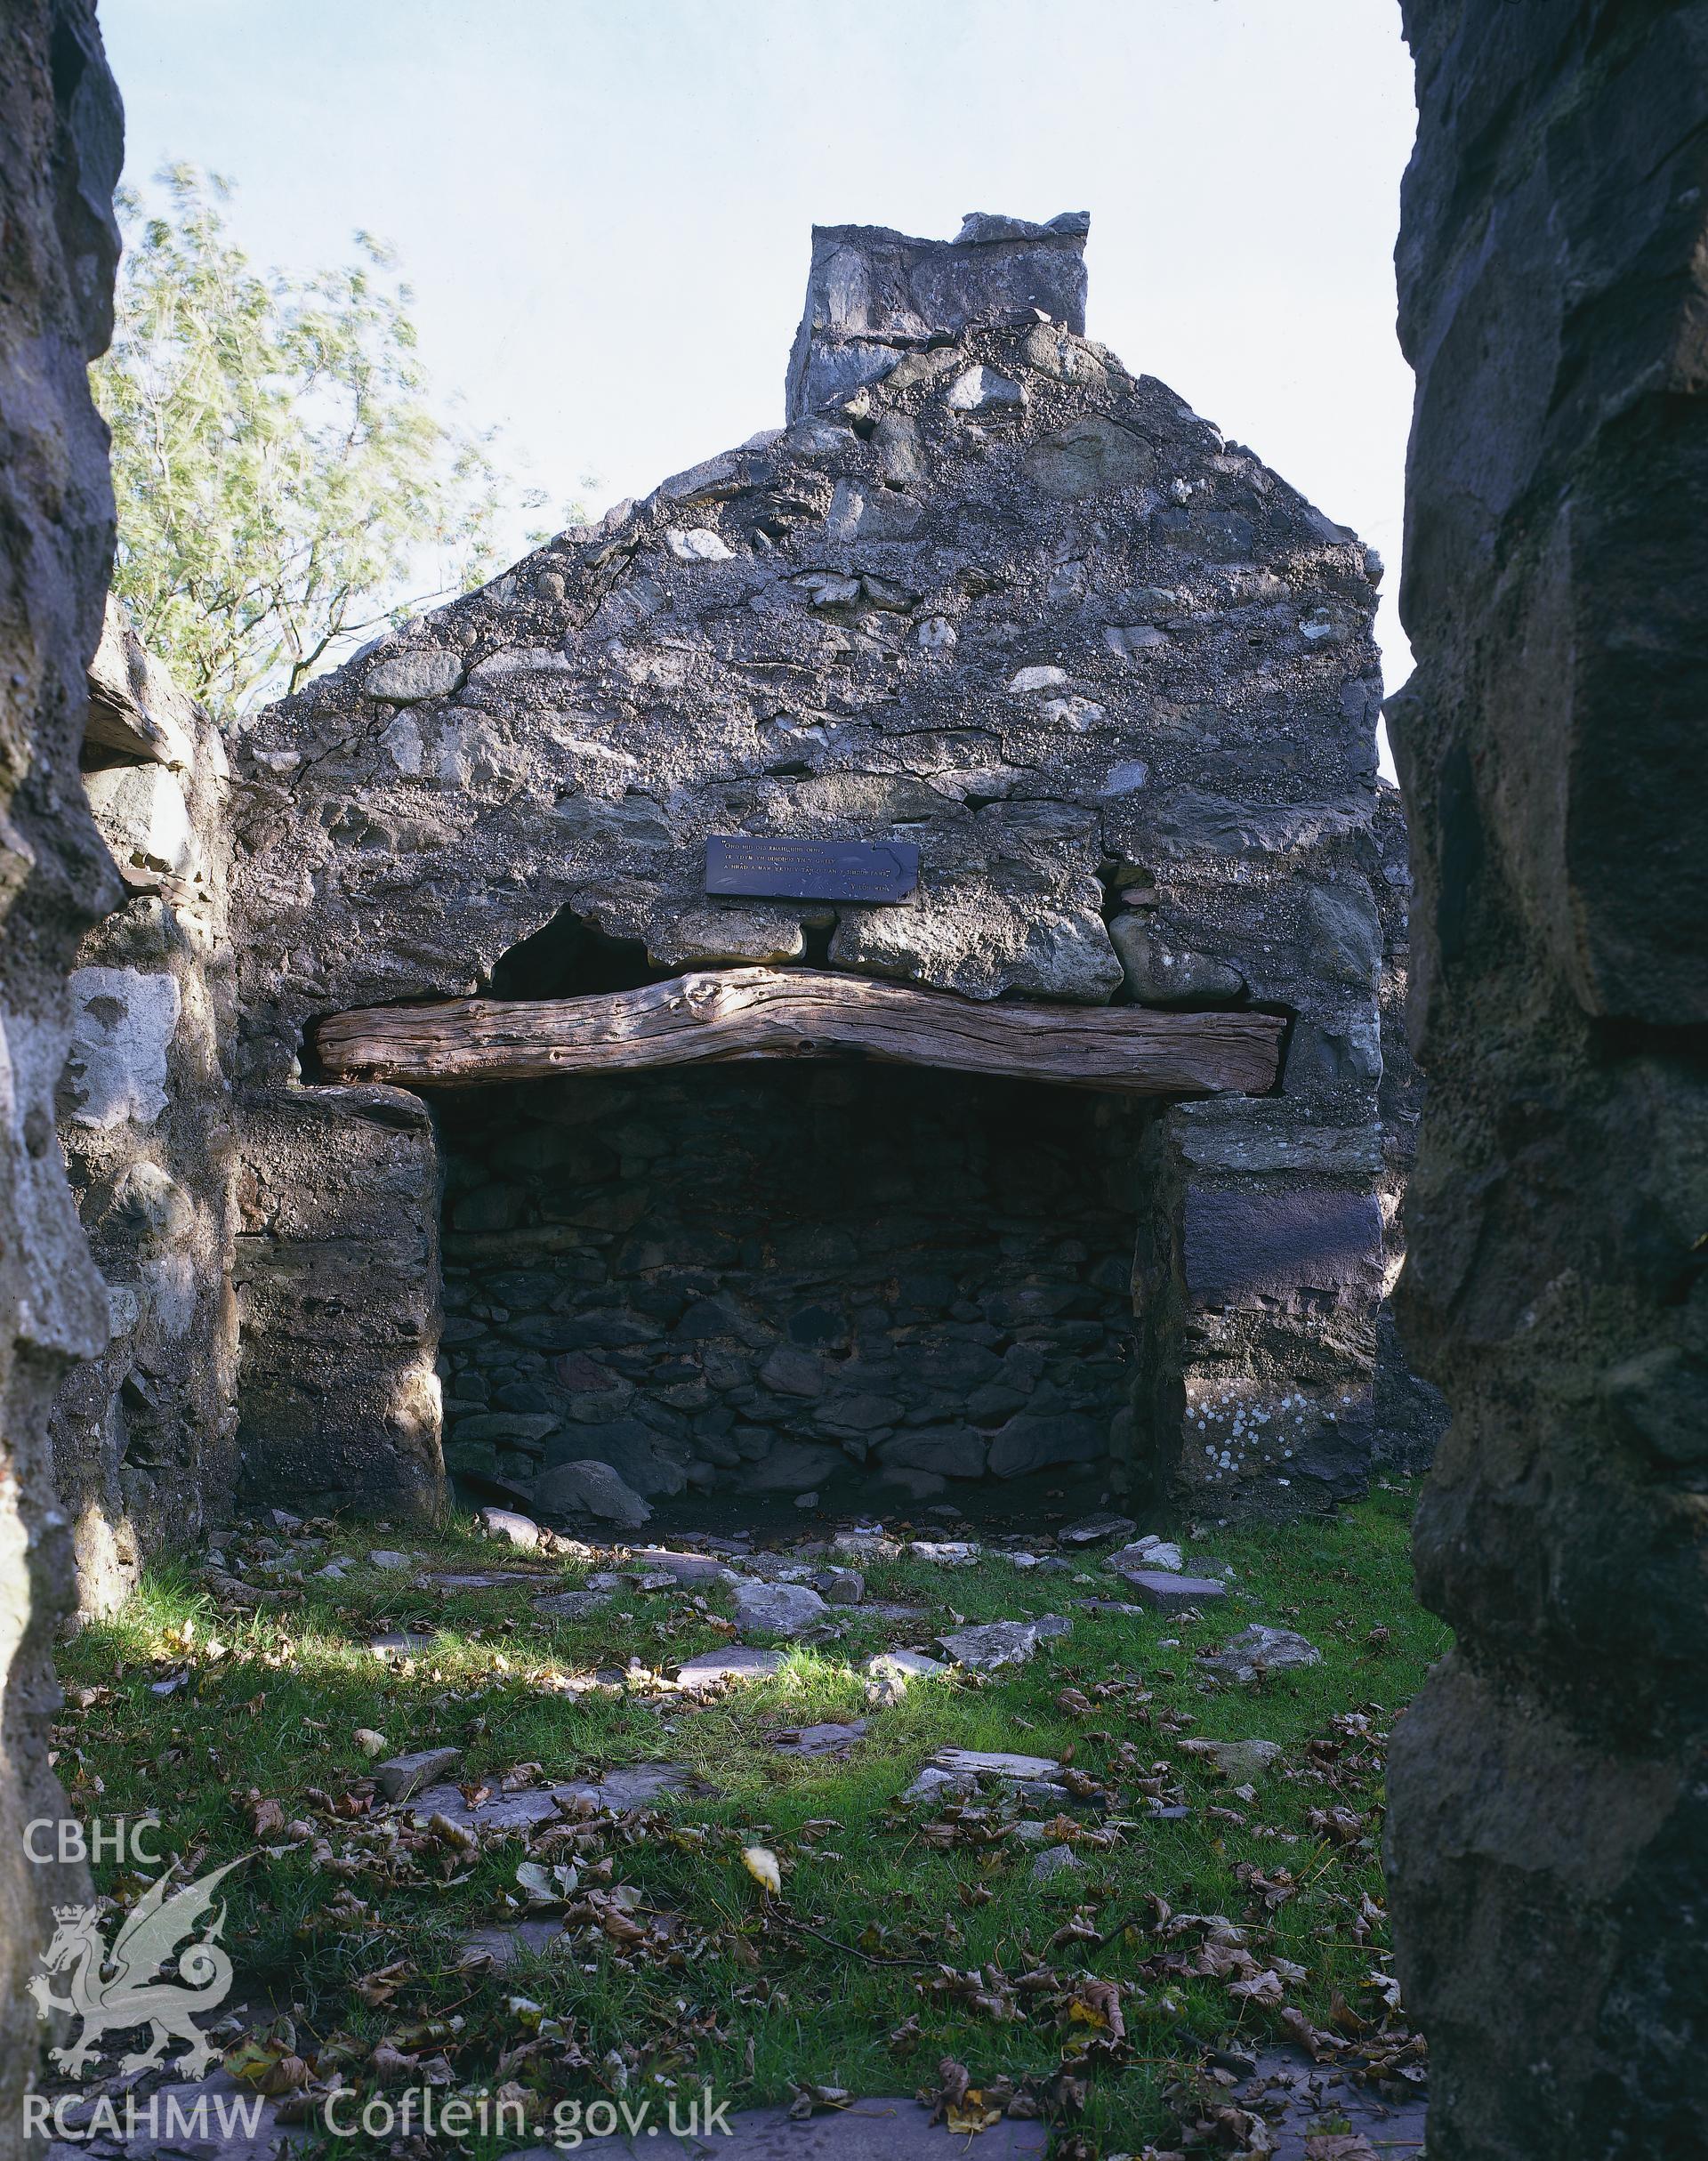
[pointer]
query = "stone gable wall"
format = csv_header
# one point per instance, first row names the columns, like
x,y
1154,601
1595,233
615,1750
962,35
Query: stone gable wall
x,y
1001,599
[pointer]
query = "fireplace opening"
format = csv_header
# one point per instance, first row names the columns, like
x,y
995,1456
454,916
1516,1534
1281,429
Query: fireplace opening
x,y
740,1284
570,958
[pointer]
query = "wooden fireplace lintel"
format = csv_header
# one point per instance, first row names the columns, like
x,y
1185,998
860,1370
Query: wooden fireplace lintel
x,y
725,1014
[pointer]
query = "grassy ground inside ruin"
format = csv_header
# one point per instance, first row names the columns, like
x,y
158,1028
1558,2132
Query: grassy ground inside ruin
x,y
901,1936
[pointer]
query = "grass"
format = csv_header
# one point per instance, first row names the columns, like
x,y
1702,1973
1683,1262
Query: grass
x,y
680,1967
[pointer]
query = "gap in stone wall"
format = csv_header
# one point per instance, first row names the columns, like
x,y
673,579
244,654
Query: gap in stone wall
x,y
570,957
740,1284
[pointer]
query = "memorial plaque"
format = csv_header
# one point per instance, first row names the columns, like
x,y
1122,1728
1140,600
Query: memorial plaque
x,y
774,869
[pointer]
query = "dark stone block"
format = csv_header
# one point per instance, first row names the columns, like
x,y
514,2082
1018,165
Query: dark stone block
x,y
1168,1592
1310,1246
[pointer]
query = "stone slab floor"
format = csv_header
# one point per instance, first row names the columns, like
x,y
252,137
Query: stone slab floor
x,y
888,1841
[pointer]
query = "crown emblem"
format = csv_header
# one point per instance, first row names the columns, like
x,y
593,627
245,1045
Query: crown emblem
x,y
119,1984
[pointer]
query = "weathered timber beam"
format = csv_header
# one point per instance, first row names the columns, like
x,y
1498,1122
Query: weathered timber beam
x,y
765,1012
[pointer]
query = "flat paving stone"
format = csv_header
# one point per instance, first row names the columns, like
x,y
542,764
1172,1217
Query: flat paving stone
x,y
686,1568
1163,1592
1235,1759
631,1787
400,1644
573,1605
515,1941
1035,1778
1052,1862
993,1763
1292,2094
817,1740
492,1579
998,1643
1258,1650
867,2131
734,1662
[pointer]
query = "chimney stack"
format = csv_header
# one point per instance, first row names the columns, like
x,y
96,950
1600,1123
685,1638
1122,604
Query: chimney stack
x,y
873,295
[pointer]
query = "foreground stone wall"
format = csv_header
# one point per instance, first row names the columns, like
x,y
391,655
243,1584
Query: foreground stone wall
x,y
992,595
1549,1846
773,1282
1411,1414
144,1436
337,1278
60,156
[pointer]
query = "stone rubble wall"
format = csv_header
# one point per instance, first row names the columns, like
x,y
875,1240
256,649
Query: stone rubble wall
x,y
1411,1414
1548,1849
763,1280
60,144
1005,600
144,1435
337,1278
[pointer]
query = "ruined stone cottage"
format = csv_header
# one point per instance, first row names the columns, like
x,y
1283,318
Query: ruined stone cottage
x,y
438,1102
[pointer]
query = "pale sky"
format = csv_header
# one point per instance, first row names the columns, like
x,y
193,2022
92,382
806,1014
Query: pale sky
x,y
604,206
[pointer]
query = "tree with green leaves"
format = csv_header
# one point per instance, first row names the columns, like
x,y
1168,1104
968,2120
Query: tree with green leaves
x,y
282,482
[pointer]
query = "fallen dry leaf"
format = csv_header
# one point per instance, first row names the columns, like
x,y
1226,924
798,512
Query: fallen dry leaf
x,y
971,2113
761,1864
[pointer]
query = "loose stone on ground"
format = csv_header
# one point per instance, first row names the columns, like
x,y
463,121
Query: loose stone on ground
x,y
890,1675
509,1526
573,1605
998,1643
1165,1594
828,1739
632,1786
952,1772
779,1610
1145,1553
736,1662
1052,1862
400,1778
1092,1531
1235,1759
1257,1650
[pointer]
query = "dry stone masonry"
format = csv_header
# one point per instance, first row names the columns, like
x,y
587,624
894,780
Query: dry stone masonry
x,y
1549,1838
60,143
143,1433
767,1280
989,596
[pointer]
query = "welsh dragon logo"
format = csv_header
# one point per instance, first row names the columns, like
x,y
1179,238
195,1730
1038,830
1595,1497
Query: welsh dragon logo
x,y
116,1989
